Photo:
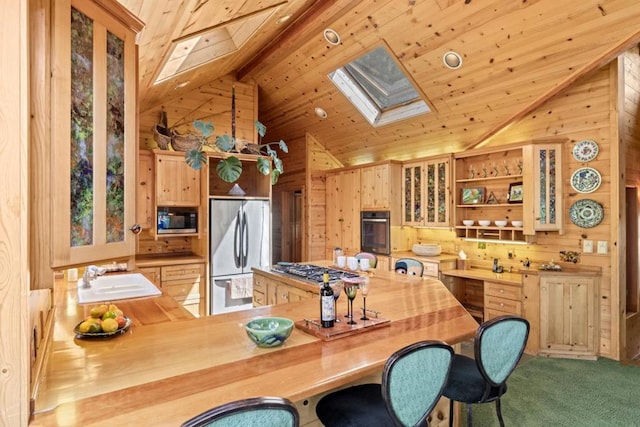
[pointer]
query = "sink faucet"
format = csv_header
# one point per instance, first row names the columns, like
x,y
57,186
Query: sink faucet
x,y
87,277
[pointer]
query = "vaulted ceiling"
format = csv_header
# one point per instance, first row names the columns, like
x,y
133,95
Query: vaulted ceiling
x,y
516,55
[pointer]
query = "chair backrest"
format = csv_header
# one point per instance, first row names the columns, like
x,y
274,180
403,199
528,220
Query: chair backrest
x,y
253,412
413,380
409,266
499,344
373,259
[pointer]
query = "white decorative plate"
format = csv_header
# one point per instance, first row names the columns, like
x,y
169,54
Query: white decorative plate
x,y
586,180
586,213
585,150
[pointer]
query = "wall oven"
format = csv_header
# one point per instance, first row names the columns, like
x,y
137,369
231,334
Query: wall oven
x,y
375,232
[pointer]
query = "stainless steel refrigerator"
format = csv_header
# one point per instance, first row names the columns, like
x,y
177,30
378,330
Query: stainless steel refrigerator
x,y
240,238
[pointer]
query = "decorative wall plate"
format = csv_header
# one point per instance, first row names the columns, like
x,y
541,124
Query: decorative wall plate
x,y
586,180
586,213
585,150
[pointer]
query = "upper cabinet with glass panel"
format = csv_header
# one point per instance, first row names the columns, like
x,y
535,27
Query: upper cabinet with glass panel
x,y
378,87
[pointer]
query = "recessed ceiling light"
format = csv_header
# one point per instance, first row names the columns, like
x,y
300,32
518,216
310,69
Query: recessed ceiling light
x,y
331,36
320,112
283,19
452,60
181,85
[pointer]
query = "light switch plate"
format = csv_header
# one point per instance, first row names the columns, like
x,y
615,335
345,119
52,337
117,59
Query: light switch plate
x,y
587,246
603,247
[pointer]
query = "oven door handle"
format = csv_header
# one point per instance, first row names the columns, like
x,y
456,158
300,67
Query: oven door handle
x,y
375,220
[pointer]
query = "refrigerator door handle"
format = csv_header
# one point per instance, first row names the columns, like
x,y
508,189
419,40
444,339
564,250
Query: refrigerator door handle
x,y
237,236
245,234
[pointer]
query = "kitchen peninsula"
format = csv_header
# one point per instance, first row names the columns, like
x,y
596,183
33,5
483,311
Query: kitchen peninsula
x,y
167,371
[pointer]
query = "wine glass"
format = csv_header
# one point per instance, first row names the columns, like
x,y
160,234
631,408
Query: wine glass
x,y
364,290
350,289
337,290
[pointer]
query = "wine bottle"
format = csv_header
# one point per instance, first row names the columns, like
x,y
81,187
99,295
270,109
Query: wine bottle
x,y
327,308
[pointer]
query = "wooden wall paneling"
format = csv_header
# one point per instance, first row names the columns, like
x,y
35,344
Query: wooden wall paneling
x,y
617,228
40,152
210,102
630,136
16,150
580,112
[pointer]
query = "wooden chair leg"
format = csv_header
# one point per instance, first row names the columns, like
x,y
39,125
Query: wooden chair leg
x,y
499,412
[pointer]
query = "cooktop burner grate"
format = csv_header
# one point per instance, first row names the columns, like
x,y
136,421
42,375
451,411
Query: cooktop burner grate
x,y
312,273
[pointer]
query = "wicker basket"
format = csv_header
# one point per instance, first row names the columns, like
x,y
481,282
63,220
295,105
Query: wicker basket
x,y
161,139
185,142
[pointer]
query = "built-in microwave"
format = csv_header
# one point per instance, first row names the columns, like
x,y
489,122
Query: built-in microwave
x,y
375,232
177,220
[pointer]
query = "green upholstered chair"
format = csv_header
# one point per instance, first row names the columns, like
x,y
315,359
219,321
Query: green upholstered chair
x,y
373,259
412,382
253,412
409,266
498,347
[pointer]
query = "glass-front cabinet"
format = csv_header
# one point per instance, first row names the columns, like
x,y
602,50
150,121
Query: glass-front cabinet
x,y
93,131
426,195
546,186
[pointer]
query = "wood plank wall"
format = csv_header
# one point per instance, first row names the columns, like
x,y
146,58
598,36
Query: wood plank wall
x,y
581,112
210,102
630,134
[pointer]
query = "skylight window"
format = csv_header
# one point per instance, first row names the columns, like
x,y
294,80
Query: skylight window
x,y
213,43
379,89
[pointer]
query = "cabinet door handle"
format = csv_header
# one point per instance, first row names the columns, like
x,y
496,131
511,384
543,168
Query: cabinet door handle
x,y
136,228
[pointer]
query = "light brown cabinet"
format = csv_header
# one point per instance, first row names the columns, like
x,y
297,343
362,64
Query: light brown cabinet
x,y
177,184
501,299
186,284
343,211
145,190
568,316
380,186
183,282
426,192
267,291
94,125
543,179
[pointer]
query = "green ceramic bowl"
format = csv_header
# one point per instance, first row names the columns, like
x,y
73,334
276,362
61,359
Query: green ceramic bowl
x,y
269,331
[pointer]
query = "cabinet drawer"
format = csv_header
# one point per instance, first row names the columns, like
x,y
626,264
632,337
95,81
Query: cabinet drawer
x,y
503,291
258,298
502,304
184,271
182,288
430,269
259,285
492,314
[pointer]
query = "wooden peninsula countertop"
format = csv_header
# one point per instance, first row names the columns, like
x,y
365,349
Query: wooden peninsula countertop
x,y
163,372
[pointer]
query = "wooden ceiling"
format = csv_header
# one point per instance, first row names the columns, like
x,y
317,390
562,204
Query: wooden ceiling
x,y
516,55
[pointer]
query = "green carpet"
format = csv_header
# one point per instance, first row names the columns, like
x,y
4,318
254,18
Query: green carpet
x,y
566,393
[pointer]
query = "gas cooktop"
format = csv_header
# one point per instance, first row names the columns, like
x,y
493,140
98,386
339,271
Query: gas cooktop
x,y
312,273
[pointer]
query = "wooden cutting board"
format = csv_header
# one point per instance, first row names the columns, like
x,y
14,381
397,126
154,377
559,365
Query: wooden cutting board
x,y
340,329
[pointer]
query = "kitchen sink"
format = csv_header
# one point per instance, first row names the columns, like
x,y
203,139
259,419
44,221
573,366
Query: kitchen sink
x,y
116,287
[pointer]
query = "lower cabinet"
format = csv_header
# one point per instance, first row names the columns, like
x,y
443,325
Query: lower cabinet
x,y
568,316
267,291
184,282
501,299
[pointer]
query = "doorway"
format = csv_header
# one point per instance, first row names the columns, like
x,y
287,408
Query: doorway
x,y
632,300
291,226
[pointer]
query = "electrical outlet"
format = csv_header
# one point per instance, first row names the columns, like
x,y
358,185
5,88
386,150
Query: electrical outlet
x,y
510,254
603,247
587,246
482,245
